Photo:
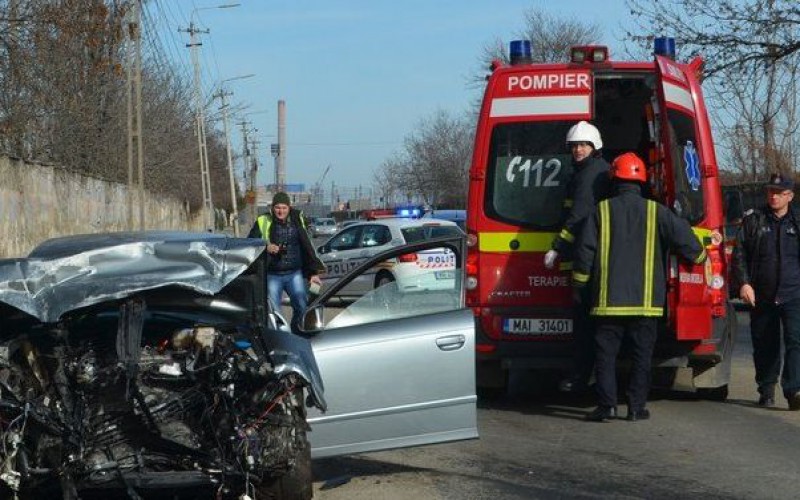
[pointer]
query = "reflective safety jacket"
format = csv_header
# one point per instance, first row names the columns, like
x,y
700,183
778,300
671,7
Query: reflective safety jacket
x,y
588,186
622,253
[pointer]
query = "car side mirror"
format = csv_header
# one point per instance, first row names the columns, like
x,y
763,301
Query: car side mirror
x,y
313,320
322,249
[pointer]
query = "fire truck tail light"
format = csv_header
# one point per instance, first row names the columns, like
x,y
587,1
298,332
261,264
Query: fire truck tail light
x,y
472,240
471,283
520,52
664,46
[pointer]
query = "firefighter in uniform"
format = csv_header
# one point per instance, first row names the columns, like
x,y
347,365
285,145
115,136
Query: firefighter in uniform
x,y
766,262
588,186
292,258
621,256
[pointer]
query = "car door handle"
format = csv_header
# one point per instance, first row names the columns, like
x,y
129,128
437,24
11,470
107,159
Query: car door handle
x,y
365,253
451,342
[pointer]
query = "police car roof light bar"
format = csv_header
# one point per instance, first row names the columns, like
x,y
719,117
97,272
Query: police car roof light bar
x,y
664,46
520,52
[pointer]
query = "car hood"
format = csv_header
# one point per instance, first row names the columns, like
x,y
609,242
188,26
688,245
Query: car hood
x,y
68,273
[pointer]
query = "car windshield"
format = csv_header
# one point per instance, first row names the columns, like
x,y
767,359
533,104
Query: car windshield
x,y
420,233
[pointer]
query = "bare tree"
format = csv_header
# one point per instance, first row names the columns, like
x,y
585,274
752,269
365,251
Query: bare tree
x,y
730,33
551,38
751,53
433,163
63,97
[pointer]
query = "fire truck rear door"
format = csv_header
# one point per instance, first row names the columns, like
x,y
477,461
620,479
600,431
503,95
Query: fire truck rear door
x,y
690,307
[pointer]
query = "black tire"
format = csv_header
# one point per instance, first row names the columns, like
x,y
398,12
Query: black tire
x,y
714,393
384,278
382,297
295,484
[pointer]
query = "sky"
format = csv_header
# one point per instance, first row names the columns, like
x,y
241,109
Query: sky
x,y
357,76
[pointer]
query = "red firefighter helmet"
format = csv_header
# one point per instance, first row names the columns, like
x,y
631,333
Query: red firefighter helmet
x,y
628,167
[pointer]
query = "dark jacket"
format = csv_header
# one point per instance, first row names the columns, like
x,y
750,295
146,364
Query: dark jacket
x,y
312,265
588,186
752,265
622,249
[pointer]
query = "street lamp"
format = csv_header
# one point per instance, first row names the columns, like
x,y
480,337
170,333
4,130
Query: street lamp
x,y
222,94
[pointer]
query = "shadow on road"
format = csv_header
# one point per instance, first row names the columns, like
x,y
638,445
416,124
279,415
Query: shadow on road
x,y
335,472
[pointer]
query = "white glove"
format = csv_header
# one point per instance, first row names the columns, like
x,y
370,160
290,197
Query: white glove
x,y
550,259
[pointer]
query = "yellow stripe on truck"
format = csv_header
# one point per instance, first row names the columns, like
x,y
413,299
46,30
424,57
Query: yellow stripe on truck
x,y
528,242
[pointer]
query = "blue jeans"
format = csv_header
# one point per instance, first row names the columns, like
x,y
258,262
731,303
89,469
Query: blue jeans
x,y
295,286
765,330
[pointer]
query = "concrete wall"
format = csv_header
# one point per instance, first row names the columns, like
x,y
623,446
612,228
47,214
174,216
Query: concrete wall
x,y
38,202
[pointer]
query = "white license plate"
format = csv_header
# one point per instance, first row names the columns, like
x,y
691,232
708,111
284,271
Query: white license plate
x,y
445,275
527,326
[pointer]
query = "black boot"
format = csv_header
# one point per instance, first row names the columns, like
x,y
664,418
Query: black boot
x,y
767,398
602,414
640,414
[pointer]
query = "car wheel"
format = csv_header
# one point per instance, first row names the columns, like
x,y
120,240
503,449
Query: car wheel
x,y
296,482
384,279
383,289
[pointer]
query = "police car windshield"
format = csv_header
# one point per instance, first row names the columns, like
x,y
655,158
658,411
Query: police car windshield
x,y
528,171
426,232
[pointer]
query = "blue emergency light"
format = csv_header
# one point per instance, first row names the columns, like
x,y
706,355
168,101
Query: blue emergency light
x,y
520,52
408,212
664,46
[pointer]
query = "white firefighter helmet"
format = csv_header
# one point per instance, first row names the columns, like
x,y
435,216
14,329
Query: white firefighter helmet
x,y
584,131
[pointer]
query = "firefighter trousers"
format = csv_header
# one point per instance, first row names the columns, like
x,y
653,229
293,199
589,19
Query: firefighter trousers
x,y
611,331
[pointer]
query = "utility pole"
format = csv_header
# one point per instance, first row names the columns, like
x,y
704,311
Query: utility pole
x,y
231,177
250,197
205,178
134,86
254,178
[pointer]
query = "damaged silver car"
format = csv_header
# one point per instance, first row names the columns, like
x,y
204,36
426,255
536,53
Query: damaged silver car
x,y
151,365
147,365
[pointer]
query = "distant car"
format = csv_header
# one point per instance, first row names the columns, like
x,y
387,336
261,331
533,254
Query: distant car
x,y
350,222
355,244
457,216
324,226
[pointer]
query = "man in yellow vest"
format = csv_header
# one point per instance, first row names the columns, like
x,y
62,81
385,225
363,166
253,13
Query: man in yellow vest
x,y
293,263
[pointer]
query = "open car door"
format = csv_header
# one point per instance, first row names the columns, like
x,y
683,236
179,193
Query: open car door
x,y
398,367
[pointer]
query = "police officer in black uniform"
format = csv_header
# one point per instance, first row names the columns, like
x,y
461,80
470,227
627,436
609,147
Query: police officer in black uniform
x,y
766,263
621,254
588,186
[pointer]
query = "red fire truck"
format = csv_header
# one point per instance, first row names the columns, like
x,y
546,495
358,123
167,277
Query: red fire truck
x,y
518,178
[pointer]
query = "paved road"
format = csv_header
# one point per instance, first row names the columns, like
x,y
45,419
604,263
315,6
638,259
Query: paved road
x,y
535,444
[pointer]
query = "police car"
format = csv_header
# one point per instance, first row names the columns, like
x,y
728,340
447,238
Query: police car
x,y
428,270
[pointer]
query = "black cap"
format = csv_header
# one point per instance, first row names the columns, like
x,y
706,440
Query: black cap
x,y
281,198
780,181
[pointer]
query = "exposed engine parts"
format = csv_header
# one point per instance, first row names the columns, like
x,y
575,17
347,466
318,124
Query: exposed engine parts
x,y
131,399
